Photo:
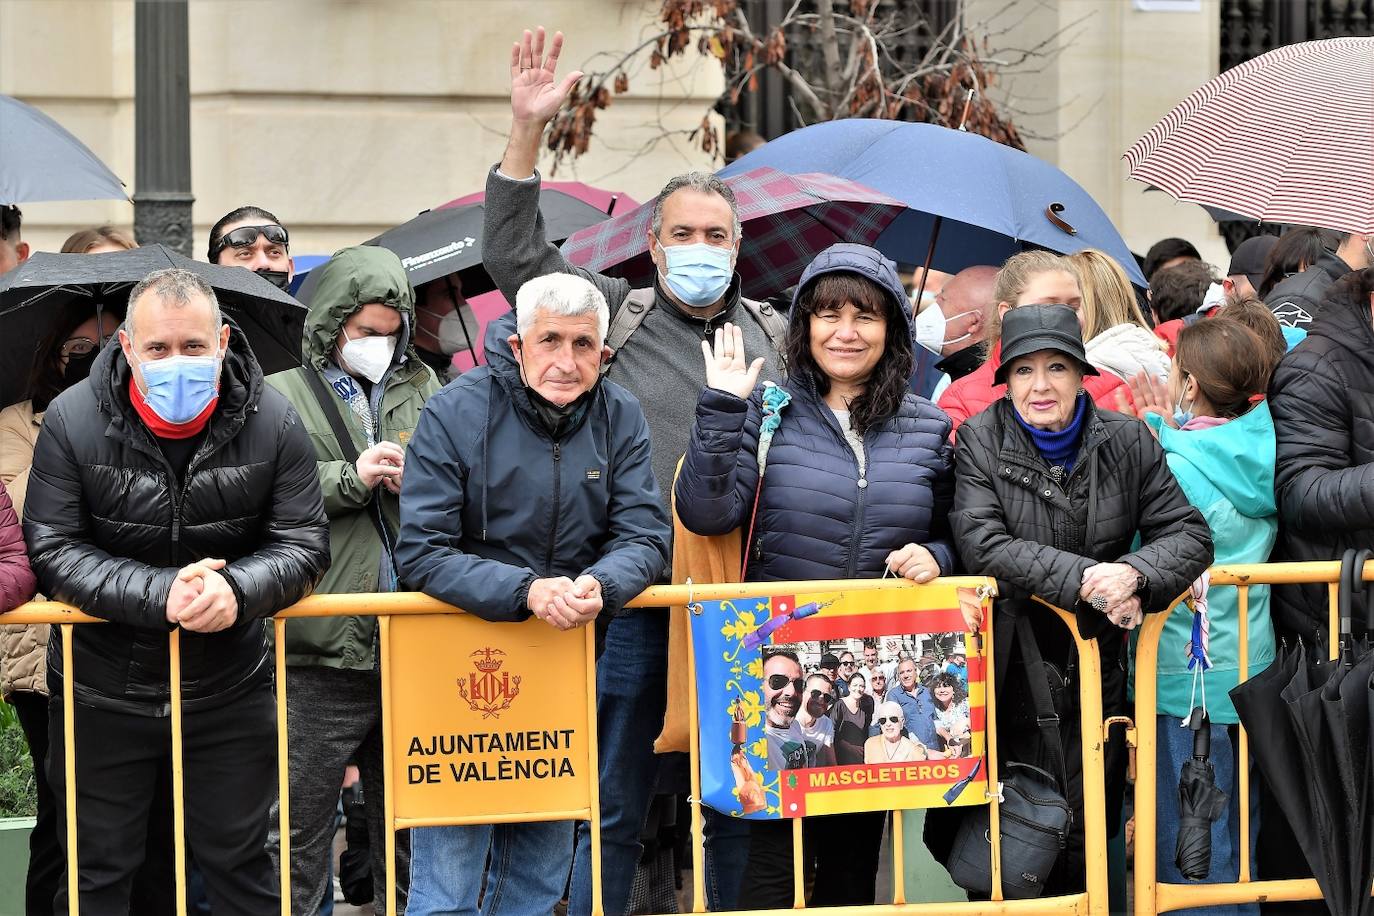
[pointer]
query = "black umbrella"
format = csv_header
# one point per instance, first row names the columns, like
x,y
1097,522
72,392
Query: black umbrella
x,y
33,295
40,160
1200,803
1309,725
438,243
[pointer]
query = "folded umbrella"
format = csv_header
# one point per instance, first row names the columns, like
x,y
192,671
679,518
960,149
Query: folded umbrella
x,y
40,160
33,294
970,200
788,220
1248,141
1200,803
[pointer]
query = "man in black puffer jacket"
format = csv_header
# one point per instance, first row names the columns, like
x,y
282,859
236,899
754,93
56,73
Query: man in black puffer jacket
x,y
1322,399
172,490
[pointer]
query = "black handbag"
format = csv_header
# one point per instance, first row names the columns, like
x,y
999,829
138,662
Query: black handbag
x,y
1034,818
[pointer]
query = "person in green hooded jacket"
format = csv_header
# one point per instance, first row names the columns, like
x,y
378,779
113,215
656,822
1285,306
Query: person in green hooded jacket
x,y
1218,437
362,375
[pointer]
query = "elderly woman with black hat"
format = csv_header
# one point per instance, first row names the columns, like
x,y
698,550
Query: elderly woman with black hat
x,y
1051,492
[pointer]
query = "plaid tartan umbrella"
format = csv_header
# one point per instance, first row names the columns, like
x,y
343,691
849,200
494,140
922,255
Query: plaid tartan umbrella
x,y
788,220
1284,138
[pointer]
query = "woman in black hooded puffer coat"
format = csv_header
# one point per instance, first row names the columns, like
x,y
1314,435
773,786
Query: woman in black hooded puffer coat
x,y
857,481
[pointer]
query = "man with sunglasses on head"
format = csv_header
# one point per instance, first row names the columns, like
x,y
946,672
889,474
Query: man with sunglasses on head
x,y
253,238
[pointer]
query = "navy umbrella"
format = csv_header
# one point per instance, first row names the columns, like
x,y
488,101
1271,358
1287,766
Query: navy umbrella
x,y
40,160
971,200
34,293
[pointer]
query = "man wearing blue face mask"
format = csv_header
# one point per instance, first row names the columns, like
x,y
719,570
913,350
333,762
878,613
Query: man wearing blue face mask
x,y
172,490
655,335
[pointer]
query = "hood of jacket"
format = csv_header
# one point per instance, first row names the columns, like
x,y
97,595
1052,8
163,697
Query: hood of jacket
x,y
851,258
1126,349
352,278
1228,457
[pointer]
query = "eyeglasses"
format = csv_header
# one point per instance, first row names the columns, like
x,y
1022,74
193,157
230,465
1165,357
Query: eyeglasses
x,y
883,720
244,236
77,346
779,681
823,696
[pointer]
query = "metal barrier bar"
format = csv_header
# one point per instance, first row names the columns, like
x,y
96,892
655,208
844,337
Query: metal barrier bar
x,y
69,771
385,606
178,770
1152,896
388,767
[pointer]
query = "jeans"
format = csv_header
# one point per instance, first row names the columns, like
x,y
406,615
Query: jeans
x,y
526,876
631,690
1175,747
726,852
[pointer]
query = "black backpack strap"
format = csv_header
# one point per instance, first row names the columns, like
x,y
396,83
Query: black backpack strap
x,y
627,320
329,403
1045,715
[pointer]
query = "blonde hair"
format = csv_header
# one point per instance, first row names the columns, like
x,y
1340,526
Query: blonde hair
x,y
1108,299
1016,275
83,240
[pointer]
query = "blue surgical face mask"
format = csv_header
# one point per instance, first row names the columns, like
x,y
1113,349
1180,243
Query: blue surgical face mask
x,y
698,274
1181,416
180,387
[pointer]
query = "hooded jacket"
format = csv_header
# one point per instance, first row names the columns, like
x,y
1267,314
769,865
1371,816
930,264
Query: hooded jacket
x,y
109,523
1322,399
1125,349
973,393
818,516
351,279
1296,301
492,502
1227,472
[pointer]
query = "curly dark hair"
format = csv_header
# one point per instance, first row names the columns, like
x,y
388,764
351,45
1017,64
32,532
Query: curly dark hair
x,y
945,679
887,386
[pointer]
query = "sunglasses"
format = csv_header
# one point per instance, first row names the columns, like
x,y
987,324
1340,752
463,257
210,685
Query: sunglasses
x,y
883,720
823,696
779,681
849,664
244,236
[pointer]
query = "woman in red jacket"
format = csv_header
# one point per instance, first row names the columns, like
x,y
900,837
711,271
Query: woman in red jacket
x,y
16,578
1028,278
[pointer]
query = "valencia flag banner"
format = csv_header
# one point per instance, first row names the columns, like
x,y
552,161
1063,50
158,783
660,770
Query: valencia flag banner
x,y
835,702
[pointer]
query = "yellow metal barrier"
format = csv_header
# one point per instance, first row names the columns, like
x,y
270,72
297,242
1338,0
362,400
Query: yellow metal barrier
x,y
1092,902
1152,896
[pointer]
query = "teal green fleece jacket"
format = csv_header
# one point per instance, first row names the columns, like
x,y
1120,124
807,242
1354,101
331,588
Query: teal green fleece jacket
x,y
1227,472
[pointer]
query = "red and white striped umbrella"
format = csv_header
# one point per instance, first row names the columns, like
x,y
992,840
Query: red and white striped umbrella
x,y
1285,138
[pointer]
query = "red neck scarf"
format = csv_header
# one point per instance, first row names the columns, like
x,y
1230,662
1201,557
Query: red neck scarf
x,y
160,427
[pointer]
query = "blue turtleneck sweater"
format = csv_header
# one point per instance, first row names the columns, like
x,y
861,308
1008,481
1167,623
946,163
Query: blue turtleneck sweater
x,y
1059,448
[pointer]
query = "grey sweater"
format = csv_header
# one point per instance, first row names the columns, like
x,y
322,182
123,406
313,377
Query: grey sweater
x,y
661,363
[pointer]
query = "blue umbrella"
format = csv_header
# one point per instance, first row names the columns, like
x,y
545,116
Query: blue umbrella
x,y
40,160
972,200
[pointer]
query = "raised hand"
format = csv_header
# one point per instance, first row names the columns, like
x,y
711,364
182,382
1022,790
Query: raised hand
x,y
1151,396
726,369
534,96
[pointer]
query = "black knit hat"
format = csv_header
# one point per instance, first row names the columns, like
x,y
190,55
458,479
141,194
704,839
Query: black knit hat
x,y
1032,328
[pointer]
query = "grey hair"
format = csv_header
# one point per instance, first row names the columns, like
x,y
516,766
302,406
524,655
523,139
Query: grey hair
x,y
175,285
706,183
561,294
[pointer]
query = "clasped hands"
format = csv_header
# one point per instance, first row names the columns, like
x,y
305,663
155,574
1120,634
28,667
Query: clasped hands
x,y
1114,587
201,600
563,603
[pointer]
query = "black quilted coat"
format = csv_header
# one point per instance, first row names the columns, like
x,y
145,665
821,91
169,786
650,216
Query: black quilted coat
x,y
1013,522
1322,399
108,527
1037,537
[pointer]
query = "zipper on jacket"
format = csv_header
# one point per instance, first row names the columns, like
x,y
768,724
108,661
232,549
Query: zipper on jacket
x,y
557,480
852,563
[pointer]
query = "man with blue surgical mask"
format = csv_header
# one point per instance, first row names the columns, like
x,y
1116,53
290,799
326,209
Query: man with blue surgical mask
x,y
655,335
172,490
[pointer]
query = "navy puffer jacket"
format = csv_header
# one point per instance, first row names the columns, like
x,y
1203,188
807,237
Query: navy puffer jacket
x,y
817,517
